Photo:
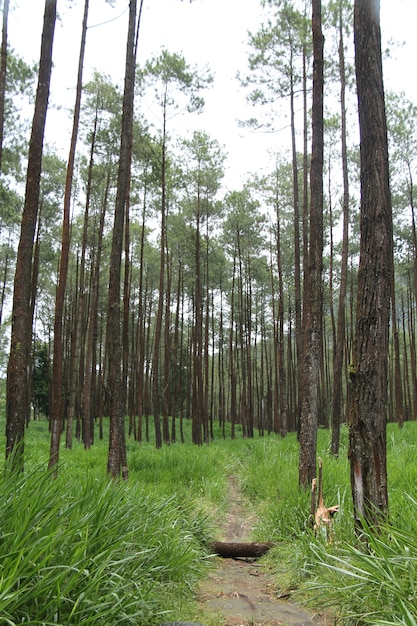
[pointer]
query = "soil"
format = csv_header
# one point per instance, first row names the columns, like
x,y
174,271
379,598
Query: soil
x,y
242,592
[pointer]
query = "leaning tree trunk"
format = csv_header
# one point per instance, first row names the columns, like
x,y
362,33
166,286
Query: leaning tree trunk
x,y
18,400
312,311
368,373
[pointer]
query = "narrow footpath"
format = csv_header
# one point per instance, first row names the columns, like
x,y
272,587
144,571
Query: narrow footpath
x,y
242,592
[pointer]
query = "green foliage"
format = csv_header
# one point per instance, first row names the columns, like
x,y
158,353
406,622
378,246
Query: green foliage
x,y
275,59
169,73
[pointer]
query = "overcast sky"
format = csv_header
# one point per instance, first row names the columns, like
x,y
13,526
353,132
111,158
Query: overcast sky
x,y
207,32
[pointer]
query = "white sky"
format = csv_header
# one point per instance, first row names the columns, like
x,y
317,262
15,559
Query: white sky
x,y
206,32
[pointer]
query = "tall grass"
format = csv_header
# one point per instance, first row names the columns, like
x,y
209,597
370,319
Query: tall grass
x,y
93,551
85,550
376,584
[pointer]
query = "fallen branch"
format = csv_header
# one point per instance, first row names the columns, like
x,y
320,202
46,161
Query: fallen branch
x,y
227,549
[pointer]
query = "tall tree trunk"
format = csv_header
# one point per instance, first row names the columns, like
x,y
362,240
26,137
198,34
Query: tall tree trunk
x,y
407,387
297,252
412,343
91,340
176,372
156,401
57,405
197,397
221,366
3,72
76,361
232,357
4,280
17,391
117,461
397,375
312,302
167,354
341,314
280,339
141,325
248,347
367,420
33,295
207,413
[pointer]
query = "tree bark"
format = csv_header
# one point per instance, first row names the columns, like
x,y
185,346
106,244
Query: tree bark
x,y
228,549
368,372
3,72
339,351
312,304
91,339
156,402
57,405
117,462
18,404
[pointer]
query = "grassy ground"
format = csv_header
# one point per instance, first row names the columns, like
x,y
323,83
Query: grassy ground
x,y
84,550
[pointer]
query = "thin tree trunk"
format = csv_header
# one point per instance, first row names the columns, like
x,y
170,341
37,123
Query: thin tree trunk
x,y
407,387
57,404
280,338
176,373
297,252
33,295
141,325
160,310
248,347
413,351
76,362
341,314
397,374
312,302
3,73
126,306
4,281
207,415
232,366
86,395
167,354
197,359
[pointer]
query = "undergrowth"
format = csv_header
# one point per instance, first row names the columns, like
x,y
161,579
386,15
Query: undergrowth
x,y
82,549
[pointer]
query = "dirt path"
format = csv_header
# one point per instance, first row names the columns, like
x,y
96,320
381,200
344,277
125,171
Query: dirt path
x,y
241,592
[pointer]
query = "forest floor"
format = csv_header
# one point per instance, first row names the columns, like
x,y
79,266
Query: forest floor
x,y
243,592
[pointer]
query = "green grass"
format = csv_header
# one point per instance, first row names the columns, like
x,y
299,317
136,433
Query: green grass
x,y
82,549
93,551
377,585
